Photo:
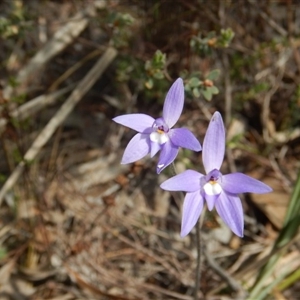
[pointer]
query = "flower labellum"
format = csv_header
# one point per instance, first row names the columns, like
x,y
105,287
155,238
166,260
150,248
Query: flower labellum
x,y
218,190
156,134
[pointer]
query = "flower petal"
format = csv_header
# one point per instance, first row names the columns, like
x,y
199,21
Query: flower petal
x,y
155,147
230,209
174,103
210,201
214,144
237,183
192,208
182,137
167,155
137,148
187,181
138,122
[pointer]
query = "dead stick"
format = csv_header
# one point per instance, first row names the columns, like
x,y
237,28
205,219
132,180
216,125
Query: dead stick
x,y
35,105
82,88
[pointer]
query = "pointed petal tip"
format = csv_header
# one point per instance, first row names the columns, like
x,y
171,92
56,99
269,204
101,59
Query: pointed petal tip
x,y
126,161
196,146
238,231
139,122
229,208
261,188
192,208
239,234
210,201
167,156
160,167
178,80
183,234
237,183
217,115
185,230
269,189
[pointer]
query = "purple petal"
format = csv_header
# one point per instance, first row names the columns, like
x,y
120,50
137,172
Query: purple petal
x,y
174,103
182,137
138,122
214,144
155,147
230,209
192,207
137,148
167,155
237,183
210,201
187,181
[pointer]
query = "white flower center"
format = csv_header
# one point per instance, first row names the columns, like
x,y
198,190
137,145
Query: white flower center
x,y
212,188
159,137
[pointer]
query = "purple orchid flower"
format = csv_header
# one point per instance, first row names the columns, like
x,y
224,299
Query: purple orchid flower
x,y
219,191
156,134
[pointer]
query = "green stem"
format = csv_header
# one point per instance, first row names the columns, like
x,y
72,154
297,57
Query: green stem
x,y
199,252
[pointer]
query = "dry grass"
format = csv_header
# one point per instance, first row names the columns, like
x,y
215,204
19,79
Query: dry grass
x,y
75,224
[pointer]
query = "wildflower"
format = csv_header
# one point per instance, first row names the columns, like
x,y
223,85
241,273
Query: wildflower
x,y
218,190
156,134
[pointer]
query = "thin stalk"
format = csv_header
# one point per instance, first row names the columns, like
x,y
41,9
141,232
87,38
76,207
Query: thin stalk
x,y
198,267
199,253
198,245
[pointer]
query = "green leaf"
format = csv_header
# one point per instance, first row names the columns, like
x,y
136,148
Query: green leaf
x,y
214,90
194,82
158,74
288,232
196,92
206,94
213,75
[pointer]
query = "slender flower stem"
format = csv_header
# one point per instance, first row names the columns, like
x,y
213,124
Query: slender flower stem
x,y
199,254
198,267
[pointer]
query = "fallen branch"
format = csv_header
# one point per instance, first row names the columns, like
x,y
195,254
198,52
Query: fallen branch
x,y
35,105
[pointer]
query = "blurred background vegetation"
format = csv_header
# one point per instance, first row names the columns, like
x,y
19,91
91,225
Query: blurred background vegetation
x,y
75,224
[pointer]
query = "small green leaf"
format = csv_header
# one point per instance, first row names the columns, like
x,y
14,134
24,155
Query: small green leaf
x,y
214,90
196,92
194,82
213,75
158,74
206,94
